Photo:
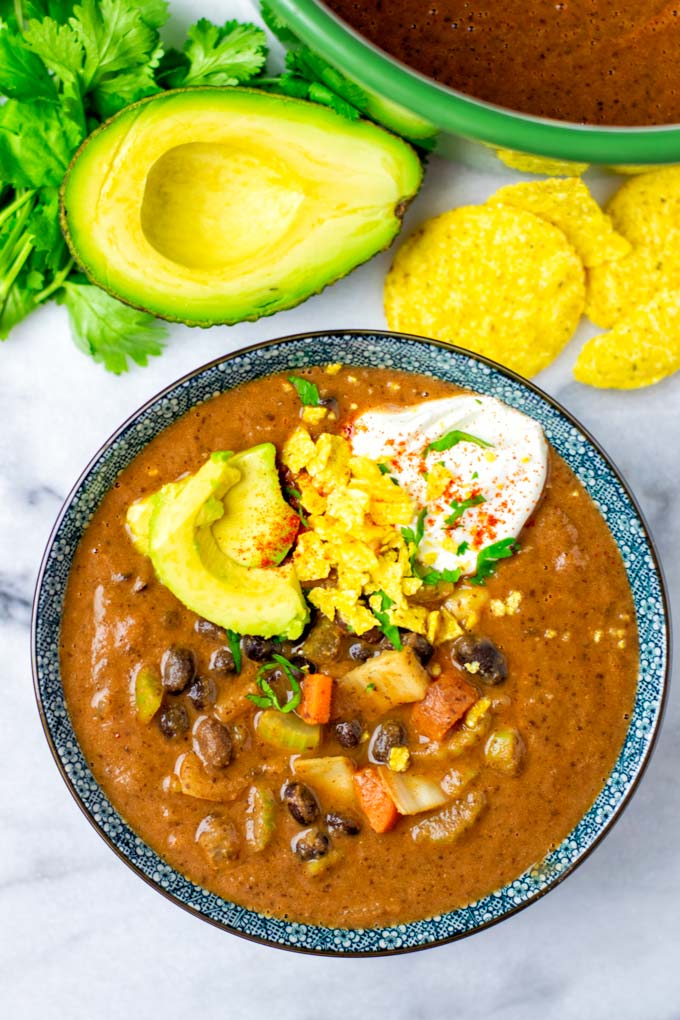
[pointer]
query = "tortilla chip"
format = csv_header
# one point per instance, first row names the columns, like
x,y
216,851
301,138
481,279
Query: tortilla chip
x,y
529,164
497,280
616,289
567,204
639,351
646,209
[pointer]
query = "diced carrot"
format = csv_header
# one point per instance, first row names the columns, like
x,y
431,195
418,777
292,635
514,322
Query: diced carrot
x,y
315,706
446,701
374,800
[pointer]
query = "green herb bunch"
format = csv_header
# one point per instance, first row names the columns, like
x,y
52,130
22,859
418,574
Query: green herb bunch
x,y
64,68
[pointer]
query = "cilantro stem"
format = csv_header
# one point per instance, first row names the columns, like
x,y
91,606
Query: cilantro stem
x,y
57,282
10,209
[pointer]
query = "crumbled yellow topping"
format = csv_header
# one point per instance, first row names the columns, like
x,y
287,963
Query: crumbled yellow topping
x,y
437,480
314,415
550,633
355,515
467,604
508,606
597,636
472,667
333,369
399,759
477,712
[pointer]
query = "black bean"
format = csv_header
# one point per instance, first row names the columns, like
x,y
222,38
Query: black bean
x,y
178,667
301,803
202,692
389,734
348,732
349,824
209,629
259,649
213,743
492,665
311,845
173,720
222,660
420,645
332,405
360,652
302,663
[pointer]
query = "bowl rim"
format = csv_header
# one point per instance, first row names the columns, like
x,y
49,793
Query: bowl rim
x,y
605,828
457,113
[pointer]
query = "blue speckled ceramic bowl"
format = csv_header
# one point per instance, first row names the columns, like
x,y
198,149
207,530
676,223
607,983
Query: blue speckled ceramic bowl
x,y
410,354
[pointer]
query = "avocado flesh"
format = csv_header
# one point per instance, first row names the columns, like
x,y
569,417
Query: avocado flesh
x,y
258,527
188,561
219,205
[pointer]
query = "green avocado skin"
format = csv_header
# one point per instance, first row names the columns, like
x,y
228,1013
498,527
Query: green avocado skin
x,y
99,152
189,562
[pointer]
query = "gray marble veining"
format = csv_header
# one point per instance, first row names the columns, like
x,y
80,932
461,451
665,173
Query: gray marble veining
x,y
82,937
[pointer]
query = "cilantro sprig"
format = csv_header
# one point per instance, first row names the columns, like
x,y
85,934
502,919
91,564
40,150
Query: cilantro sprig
x,y
390,631
269,697
234,642
451,439
460,506
65,66
488,558
307,391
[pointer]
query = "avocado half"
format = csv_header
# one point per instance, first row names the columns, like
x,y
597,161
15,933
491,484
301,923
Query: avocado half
x,y
216,205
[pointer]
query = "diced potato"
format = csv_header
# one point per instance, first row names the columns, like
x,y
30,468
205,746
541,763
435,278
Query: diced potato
x,y
219,841
260,817
448,825
467,605
392,678
332,778
504,751
148,693
412,794
194,781
458,779
287,731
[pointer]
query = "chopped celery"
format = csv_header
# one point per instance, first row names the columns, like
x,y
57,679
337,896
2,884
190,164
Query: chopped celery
x,y
392,678
148,693
287,732
260,817
194,781
504,751
448,825
412,794
332,778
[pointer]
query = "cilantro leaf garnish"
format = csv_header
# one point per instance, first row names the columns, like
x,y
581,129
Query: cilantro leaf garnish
x,y
452,439
462,548
460,506
384,469
108,330
269,698
414,538
296,495
390,631
217,55
234,642
432,576
307,391
487,559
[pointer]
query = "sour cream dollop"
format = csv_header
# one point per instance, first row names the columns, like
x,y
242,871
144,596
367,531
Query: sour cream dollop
x,y
490,482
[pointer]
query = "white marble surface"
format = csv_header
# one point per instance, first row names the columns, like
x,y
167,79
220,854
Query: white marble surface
x,y
82,937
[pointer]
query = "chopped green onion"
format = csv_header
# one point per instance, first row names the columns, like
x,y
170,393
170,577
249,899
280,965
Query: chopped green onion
x,y
234,641
389,630
487,559
452,439
459,507
268,698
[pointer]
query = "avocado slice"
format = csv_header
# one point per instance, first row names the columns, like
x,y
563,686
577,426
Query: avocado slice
x,y
255,525
258,526
188,560
210,205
